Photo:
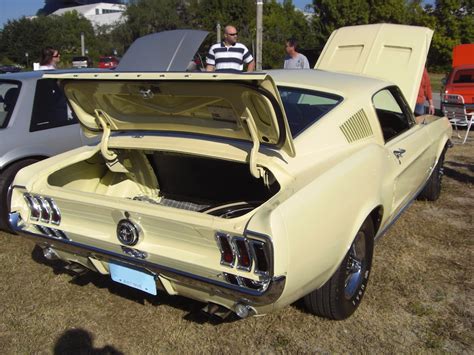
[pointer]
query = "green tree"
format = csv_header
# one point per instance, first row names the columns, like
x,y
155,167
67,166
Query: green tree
x,y
332,14
280,22
61,32
389,11
23,36
454,25
149,16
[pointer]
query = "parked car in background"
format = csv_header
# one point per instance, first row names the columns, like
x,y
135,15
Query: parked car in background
x,y
244,191
9,69
35,123
460,80
81,62
108,62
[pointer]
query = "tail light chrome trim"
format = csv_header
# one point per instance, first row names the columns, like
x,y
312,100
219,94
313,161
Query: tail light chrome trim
x,y
244,258
43,209
51,232
226,249
261,257
245,282
248,253
55,213
34,206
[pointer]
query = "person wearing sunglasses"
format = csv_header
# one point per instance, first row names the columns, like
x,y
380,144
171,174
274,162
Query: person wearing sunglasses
x,y
229,55
49,58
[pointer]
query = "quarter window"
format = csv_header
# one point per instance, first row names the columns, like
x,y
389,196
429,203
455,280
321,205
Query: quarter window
x,y
305,107
50,108
9,92
393,113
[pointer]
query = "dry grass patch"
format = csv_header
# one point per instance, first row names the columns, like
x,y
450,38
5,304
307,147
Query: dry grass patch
x,y
419,298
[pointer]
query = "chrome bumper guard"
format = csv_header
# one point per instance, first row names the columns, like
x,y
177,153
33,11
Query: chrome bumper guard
x,y
213,287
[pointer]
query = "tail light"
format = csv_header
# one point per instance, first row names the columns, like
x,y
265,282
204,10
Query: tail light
x,y
43,209
227,253
34,206
55,214
244,260
245,253
262,263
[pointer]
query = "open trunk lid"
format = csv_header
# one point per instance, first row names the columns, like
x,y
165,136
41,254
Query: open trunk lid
x,y
395,53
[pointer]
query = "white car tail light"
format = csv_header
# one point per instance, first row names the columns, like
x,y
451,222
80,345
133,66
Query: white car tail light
x,y
43,209
245,253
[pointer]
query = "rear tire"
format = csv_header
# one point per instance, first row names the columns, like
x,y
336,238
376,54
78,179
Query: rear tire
x,y
432,189
6,179
340,296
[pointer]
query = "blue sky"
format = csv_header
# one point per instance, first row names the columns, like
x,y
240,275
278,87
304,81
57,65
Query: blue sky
x,y
14,9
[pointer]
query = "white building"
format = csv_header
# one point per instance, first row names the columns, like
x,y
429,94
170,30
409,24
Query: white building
x,y
98,14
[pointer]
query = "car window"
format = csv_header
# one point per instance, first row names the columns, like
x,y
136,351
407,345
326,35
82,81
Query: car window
x,y
305,107
9,92
50,107
393,112
464,76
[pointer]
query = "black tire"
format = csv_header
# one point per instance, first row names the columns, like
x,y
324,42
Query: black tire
x,y
432,189
340,296
6,179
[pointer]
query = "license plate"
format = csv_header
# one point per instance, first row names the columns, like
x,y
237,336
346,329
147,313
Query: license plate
x,y
133,278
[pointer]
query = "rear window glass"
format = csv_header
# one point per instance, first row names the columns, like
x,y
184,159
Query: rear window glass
x,y
50,108
9,92
464,76
305,107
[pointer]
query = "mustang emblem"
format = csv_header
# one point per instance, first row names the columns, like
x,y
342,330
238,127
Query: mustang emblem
x,y
127,232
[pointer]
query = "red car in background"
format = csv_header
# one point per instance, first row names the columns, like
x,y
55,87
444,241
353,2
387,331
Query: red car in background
x,y
460,80
108,62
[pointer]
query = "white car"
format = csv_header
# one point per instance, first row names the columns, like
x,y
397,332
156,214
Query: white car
x,y
243,191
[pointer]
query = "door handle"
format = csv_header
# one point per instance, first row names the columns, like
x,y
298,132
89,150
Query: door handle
x,y
399,153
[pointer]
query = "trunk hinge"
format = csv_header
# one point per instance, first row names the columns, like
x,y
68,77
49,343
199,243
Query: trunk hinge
x,y
111,158
256,171
104,121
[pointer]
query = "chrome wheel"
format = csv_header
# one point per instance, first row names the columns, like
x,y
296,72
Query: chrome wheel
x,y
355,267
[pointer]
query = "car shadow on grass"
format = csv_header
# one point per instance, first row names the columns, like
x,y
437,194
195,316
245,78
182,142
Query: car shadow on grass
x,y
453,173
80,341
191,307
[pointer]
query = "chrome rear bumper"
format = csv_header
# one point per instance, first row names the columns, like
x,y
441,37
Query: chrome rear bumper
x,y
213,287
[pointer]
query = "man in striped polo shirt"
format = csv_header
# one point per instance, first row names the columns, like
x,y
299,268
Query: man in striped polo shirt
x,y
229,56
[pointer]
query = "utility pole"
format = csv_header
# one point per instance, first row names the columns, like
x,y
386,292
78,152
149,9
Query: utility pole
x,y
259,34
83,47
218,30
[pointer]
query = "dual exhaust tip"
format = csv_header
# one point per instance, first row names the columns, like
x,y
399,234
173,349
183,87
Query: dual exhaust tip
x,y
240,309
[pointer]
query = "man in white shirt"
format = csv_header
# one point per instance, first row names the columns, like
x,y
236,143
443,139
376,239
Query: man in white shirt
x,y
229,55
293,59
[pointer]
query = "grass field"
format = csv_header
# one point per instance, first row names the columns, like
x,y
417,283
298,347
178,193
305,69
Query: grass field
x,y
420,298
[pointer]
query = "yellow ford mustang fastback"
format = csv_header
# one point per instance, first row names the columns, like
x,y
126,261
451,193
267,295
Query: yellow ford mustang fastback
x,y
243,191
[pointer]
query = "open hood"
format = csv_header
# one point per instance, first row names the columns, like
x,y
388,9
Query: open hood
x,y
395,53
162,51
236,106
